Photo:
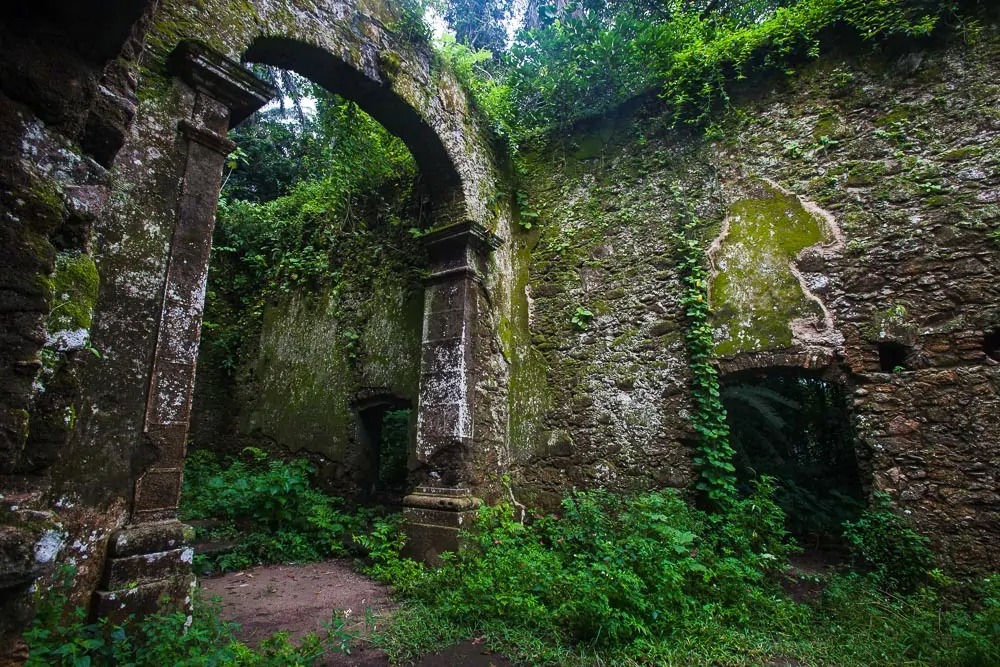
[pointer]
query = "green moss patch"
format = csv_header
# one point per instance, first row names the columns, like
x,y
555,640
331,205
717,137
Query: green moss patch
x,y
754,293
74,291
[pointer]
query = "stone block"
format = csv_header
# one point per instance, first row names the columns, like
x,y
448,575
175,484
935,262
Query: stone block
x,y
433,518
147,568
173,593
146,538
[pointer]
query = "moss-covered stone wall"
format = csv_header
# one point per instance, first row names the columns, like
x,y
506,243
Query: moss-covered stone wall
x,y
67,83
318,355
88,230
854,203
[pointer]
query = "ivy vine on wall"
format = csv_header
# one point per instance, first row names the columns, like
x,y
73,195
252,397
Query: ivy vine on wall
x,y
717,474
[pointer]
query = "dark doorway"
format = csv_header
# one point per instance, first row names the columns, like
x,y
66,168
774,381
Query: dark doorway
x,y
384,427
991,344
796,428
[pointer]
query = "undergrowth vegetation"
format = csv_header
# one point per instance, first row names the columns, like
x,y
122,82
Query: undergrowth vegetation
x,y
267,509
649,580
61,636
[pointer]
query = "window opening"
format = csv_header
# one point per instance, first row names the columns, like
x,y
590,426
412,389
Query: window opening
x,y
892,357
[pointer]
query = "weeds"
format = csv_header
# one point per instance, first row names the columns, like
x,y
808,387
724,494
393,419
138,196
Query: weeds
x,y
649,580
269,507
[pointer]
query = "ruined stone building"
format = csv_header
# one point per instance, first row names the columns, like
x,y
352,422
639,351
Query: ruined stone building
x,y
850,219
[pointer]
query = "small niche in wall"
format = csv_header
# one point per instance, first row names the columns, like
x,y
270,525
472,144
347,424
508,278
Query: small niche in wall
x,y
892,356
991,344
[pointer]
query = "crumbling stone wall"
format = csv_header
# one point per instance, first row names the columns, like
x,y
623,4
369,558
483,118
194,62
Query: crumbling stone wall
x,y
853,205
321,357
67,96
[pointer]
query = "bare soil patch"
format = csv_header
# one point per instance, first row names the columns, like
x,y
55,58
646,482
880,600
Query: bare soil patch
x,y
299,599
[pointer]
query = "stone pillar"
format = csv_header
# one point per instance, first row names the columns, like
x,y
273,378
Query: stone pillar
x,y
148,557
445,428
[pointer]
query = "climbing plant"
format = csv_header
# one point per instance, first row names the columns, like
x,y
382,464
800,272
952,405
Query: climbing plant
x,y
717,474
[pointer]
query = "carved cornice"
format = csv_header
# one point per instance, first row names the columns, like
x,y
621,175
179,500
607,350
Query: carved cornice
x,y
212,73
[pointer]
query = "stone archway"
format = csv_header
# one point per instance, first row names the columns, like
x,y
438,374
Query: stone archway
x,y
169,178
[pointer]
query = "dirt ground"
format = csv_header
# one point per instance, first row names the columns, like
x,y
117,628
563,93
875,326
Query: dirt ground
x,y
300,598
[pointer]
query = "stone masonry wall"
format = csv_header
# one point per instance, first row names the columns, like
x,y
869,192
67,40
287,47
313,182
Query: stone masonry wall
x,y
319,356
854,204
67,97
111,148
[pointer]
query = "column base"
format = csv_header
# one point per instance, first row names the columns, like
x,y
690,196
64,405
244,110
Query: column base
x,y
432,519
148,570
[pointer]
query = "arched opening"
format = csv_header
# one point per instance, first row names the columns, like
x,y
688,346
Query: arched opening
x,y
375,98
315,285
795,426
315,294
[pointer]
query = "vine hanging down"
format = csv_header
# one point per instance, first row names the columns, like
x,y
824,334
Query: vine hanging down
x,y
715,455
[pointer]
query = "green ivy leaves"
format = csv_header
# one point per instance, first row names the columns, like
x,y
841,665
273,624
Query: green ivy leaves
x,y
717,474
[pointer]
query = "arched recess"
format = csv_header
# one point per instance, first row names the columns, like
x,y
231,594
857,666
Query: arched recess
x,y
794,422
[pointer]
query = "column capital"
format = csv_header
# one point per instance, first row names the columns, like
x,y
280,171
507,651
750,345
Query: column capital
x,y
442,242
210,72
457,251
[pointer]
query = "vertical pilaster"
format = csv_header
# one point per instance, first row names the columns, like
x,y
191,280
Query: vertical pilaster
x,y
445,425
148,557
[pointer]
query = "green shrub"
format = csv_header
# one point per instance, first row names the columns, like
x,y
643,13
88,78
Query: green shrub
x,y
612,569
382,543
269,506
882,540
647,579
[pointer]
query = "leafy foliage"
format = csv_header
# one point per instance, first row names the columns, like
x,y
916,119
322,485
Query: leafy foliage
x,y
899,558
394,448
612,569
647,579
715,454
383,544
269,505
299,196
578,59
478,23
796,429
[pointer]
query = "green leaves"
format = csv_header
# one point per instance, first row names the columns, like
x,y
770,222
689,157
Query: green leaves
x,y
269,505
708,420
608,570
581,318
898,557
580,59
